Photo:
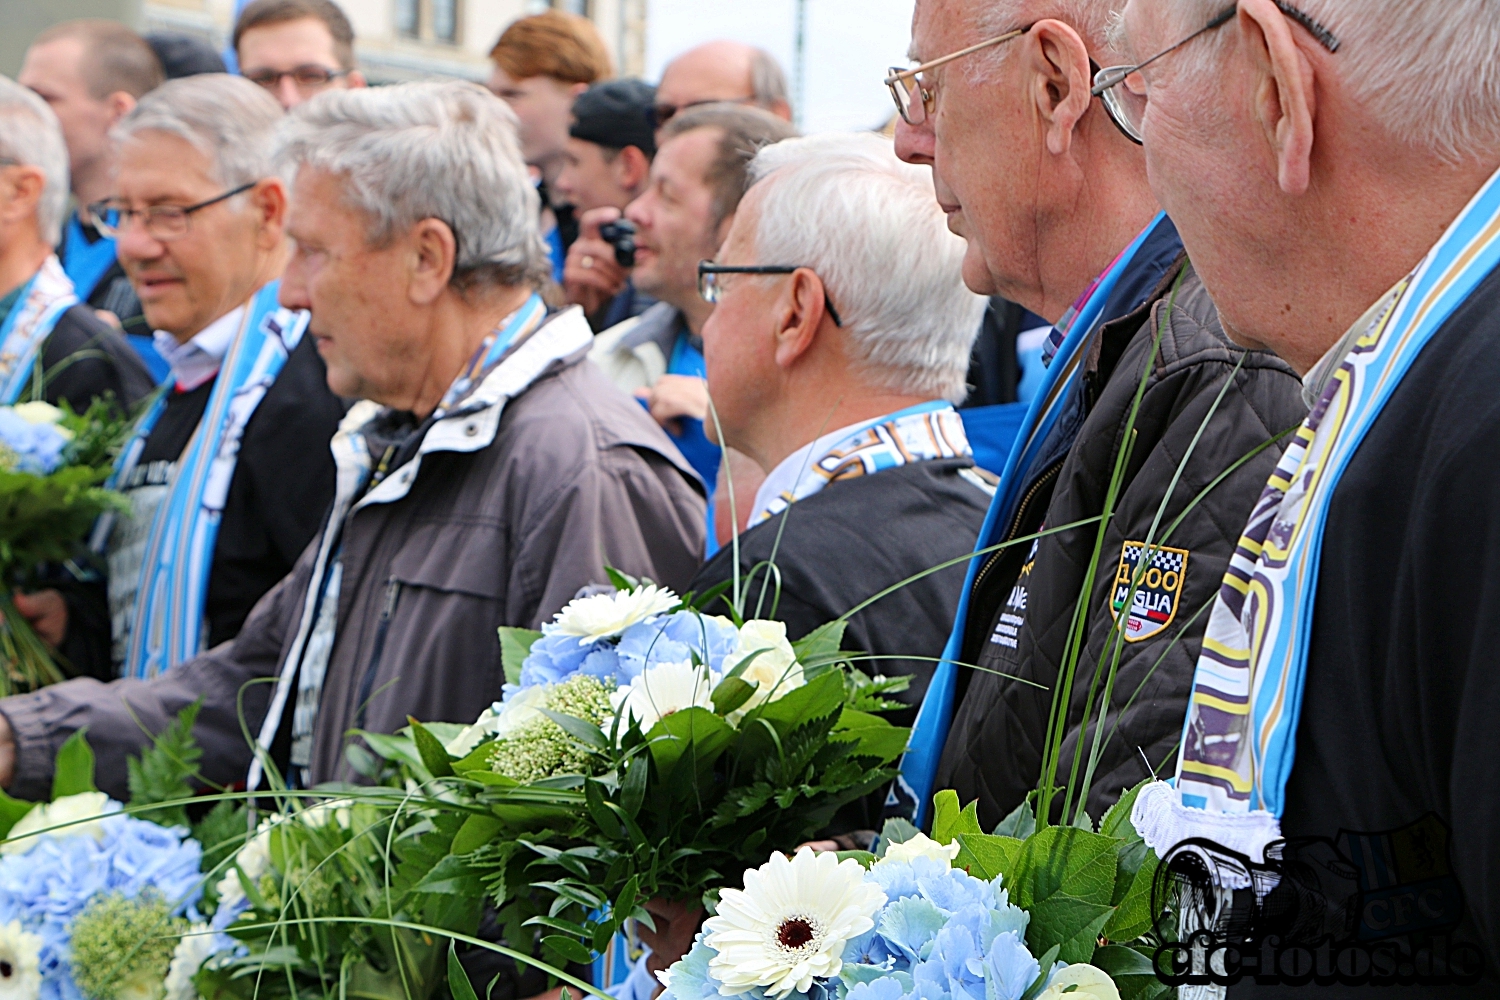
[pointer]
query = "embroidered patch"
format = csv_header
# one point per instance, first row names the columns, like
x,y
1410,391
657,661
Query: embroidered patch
x,y
1157,592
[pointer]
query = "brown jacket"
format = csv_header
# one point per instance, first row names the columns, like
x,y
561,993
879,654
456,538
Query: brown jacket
x,y
509,509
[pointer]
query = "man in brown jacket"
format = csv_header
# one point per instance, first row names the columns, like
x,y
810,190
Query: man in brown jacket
x,y
491,474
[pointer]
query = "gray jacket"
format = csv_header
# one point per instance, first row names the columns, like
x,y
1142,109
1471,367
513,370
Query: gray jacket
x,y
516,500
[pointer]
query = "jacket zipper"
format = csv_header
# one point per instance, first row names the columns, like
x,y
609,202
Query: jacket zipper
x,y
1015,523
392,595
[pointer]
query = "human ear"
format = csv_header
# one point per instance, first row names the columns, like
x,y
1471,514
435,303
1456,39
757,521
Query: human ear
x,y
433,257
800,315
1058,63
120,104
268,200
1285,100
19,198
631,169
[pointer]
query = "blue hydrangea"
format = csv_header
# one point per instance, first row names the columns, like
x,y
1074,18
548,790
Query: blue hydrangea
x,y
554,658
49,885
37,447
676,638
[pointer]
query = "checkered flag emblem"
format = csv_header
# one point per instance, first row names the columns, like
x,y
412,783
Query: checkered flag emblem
x,y
1166,560
1146,598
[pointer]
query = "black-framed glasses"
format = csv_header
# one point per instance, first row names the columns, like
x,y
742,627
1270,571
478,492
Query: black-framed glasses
x,y
913,97
711,289
308,76
1123,89
163,222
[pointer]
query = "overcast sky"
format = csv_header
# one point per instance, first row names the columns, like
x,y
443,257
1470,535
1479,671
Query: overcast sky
x,y
850,43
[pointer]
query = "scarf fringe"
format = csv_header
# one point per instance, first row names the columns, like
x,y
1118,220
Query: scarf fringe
x,y
1164,822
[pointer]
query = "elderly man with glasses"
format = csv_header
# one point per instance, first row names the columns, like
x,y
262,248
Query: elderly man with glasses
x,y
1334,167
1053,200
227,471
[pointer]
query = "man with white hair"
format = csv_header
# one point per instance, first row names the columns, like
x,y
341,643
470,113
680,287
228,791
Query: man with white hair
x,y
227,471
834,364
1335,180
490,474
49,343
1054,203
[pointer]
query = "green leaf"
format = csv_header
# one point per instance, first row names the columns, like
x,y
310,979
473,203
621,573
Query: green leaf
x,y
819,650
475,833
896,831
694,733
1021,823
436,759
731,693
633,788
1064,860
452,876
161,772
458,979
1116,821
621,581
569,948
1132,972
609,824
582,730
987,856
1070,924
945,813
1132,916
515,646
75,767
865,858
11,811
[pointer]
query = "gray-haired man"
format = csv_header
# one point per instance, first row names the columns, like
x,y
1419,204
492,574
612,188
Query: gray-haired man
x,y
1337,183
492,474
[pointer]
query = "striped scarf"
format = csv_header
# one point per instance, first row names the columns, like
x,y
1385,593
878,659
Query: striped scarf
x,y
42,302
168,625
1239,742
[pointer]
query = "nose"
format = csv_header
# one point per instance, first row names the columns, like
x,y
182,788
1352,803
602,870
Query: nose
x,y
135,244
637,212
287,93
914,142
292,293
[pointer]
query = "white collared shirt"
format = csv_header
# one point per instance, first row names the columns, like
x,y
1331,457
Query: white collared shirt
x,y
198,360
790,471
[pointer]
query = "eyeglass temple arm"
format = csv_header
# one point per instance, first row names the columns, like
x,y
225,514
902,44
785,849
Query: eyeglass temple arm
x,y
908,73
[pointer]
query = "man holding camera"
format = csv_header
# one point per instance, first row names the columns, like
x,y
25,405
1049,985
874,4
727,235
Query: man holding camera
x,y
695,185
606,164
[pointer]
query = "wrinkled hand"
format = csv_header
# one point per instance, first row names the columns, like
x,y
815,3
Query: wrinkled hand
x,y
47,612
677,923
676,396
591,277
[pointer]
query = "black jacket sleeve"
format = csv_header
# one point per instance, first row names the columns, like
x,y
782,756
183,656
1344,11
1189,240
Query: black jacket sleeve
x,y
85,358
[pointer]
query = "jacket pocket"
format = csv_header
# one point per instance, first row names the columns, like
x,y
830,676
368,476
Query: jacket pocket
x,y
455,557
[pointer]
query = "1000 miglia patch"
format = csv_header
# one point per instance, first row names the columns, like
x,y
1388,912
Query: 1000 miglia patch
x,y
1157,591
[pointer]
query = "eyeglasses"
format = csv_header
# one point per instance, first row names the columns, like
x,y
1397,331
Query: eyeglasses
x,y
1123,89
163,222
711,289
913,97
308,76
660,114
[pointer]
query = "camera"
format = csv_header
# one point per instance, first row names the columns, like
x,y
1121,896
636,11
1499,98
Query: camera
x,y
621,236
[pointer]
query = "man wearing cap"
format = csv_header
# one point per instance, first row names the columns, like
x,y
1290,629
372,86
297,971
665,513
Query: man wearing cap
x,y
605,167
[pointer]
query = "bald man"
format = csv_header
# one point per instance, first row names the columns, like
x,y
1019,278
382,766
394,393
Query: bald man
x,y
722,71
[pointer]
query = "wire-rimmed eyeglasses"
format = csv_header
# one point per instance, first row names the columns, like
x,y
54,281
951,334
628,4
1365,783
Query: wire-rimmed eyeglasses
x,y
163,222
710,288
913,97
1123,89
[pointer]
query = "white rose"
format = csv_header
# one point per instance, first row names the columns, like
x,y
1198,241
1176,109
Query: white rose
x,y
774,671
605,615
1080,982
193,949
254,859
920,846
42,412
70,809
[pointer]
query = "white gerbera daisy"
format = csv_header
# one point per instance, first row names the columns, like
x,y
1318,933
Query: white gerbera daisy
x,y
920,846
20,975
658,691
790,923
606,615
61,818
774,668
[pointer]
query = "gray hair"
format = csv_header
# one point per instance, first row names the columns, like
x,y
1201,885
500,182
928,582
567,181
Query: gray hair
x,y
227,118
1398,60
428,151
845,206
30,135
767,81
1090,18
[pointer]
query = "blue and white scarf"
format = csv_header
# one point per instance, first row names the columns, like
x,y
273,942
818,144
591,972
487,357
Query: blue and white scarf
x,y
86,263
1239,742
930,731
41,304
920,433
167,626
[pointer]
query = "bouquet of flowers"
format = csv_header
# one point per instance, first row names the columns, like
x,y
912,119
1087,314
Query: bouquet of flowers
x,y
643,750
964,916
52,465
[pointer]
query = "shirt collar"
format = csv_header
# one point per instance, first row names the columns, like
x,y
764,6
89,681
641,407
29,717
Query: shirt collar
x,y
198,360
